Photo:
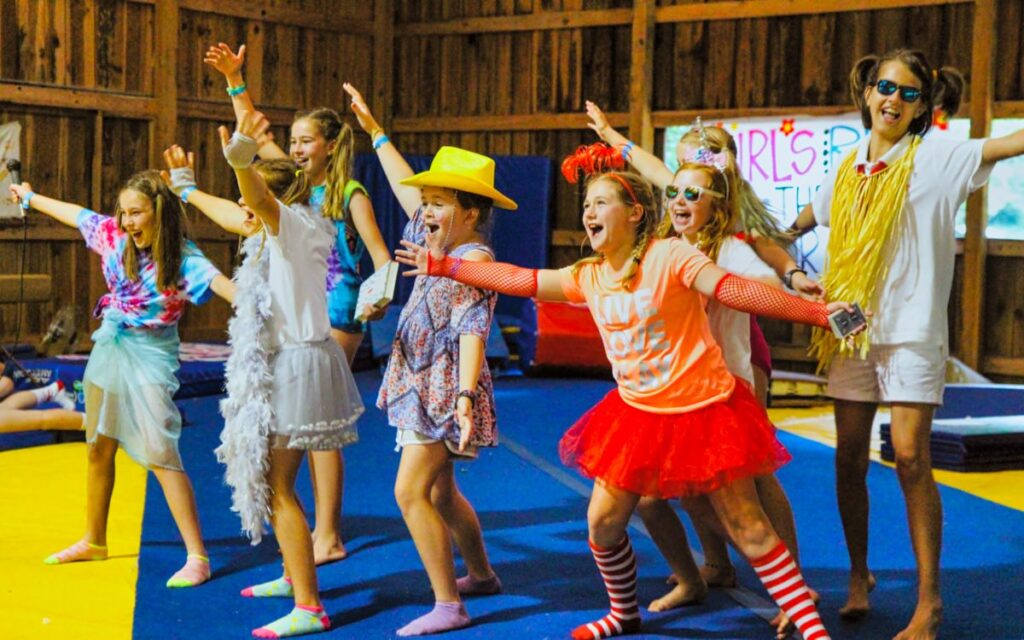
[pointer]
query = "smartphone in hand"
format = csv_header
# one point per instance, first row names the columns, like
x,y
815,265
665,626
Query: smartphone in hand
x,y
845,322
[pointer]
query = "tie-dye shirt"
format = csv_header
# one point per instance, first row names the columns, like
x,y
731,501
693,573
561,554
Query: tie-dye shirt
x,y
140,301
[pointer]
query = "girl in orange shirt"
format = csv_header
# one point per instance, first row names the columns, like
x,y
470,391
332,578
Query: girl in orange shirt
x,y
677,424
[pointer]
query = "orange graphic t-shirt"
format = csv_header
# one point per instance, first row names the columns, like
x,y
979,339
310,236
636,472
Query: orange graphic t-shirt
x,y
656,335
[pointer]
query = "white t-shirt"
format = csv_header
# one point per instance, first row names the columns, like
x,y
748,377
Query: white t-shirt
x,y
910,306
298,269
731,328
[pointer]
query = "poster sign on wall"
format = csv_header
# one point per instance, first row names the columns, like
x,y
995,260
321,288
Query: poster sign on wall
x,y
787,158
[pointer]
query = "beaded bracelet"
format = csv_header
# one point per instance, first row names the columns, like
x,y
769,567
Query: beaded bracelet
x,y
380,142
236,91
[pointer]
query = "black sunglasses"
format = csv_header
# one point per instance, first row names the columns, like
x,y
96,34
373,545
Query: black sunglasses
x,y
907,94
690,194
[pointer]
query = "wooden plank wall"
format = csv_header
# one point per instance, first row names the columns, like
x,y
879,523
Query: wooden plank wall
x,y
497,76
82,78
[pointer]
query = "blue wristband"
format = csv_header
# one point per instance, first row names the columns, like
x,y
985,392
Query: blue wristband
x,y
25,201
626,149
380,142
236,91
186,192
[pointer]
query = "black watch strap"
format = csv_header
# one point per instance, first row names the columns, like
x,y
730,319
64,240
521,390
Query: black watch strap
x,y
788,278
466,393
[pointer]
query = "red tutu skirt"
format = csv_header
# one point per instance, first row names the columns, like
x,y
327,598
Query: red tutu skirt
x,y
675,454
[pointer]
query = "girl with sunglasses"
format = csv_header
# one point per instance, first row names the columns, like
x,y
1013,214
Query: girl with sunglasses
x,y
891,207
677,423
706,201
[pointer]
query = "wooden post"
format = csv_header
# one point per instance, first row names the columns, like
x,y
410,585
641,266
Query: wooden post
x,y
165,82
383,99
641,74
975,245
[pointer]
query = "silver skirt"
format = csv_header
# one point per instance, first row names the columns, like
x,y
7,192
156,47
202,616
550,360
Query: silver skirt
x,y
315,399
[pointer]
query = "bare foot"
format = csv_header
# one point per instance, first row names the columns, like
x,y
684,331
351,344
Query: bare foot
x,y
783,627
328,550
857,604
680,596
720,576
925,623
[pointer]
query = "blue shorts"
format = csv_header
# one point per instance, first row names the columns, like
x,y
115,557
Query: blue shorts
x,y
341,308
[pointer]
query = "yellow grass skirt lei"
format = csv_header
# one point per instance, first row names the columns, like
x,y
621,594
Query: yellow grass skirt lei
x,y
866,214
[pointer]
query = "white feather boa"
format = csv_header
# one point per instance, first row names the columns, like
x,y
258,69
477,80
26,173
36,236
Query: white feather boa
x,y
248,414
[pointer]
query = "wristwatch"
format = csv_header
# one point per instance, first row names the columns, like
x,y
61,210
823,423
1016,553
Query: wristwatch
x,y
788,278
466,393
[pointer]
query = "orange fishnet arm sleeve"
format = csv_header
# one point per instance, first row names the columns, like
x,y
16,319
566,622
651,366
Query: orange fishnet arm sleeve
x,y
497,276
763,300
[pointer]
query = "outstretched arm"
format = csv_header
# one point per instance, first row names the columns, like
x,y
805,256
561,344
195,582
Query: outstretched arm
x,y
239,149
223,59
509,279
1008,146
762,300
391,160
783,263
180,177
649,165
366,225
223,287
63,212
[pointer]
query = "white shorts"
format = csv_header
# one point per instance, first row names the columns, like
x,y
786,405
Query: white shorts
x,y
913,373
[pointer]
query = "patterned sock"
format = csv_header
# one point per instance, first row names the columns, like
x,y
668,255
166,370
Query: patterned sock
x,y
470,586
302,620
195,572
445,616
785,584
77,552
280,588
618,570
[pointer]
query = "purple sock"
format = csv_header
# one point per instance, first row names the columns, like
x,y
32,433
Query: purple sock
x,y
470,586
444,617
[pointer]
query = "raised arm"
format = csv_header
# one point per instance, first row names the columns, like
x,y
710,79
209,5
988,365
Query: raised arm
x,y
180,177
1008,146
391,160
63,212
649,165
223,59
239,149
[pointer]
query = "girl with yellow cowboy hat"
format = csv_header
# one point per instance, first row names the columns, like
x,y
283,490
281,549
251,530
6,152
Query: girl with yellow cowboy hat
x,y
437,390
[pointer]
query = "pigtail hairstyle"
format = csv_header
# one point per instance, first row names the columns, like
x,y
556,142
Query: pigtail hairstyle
x,y
719,226
340,159
938,87
170,229
600,161
949,90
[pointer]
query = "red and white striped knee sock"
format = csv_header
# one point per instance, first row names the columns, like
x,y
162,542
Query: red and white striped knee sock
x,y
618,570
785,584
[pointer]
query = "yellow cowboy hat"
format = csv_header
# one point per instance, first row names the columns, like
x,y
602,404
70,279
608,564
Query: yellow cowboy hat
x,y
454,168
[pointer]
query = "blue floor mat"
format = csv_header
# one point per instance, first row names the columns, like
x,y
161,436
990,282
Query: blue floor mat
x,y
534,522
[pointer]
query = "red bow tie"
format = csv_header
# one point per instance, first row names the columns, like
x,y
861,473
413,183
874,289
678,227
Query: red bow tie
x,y
875,168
